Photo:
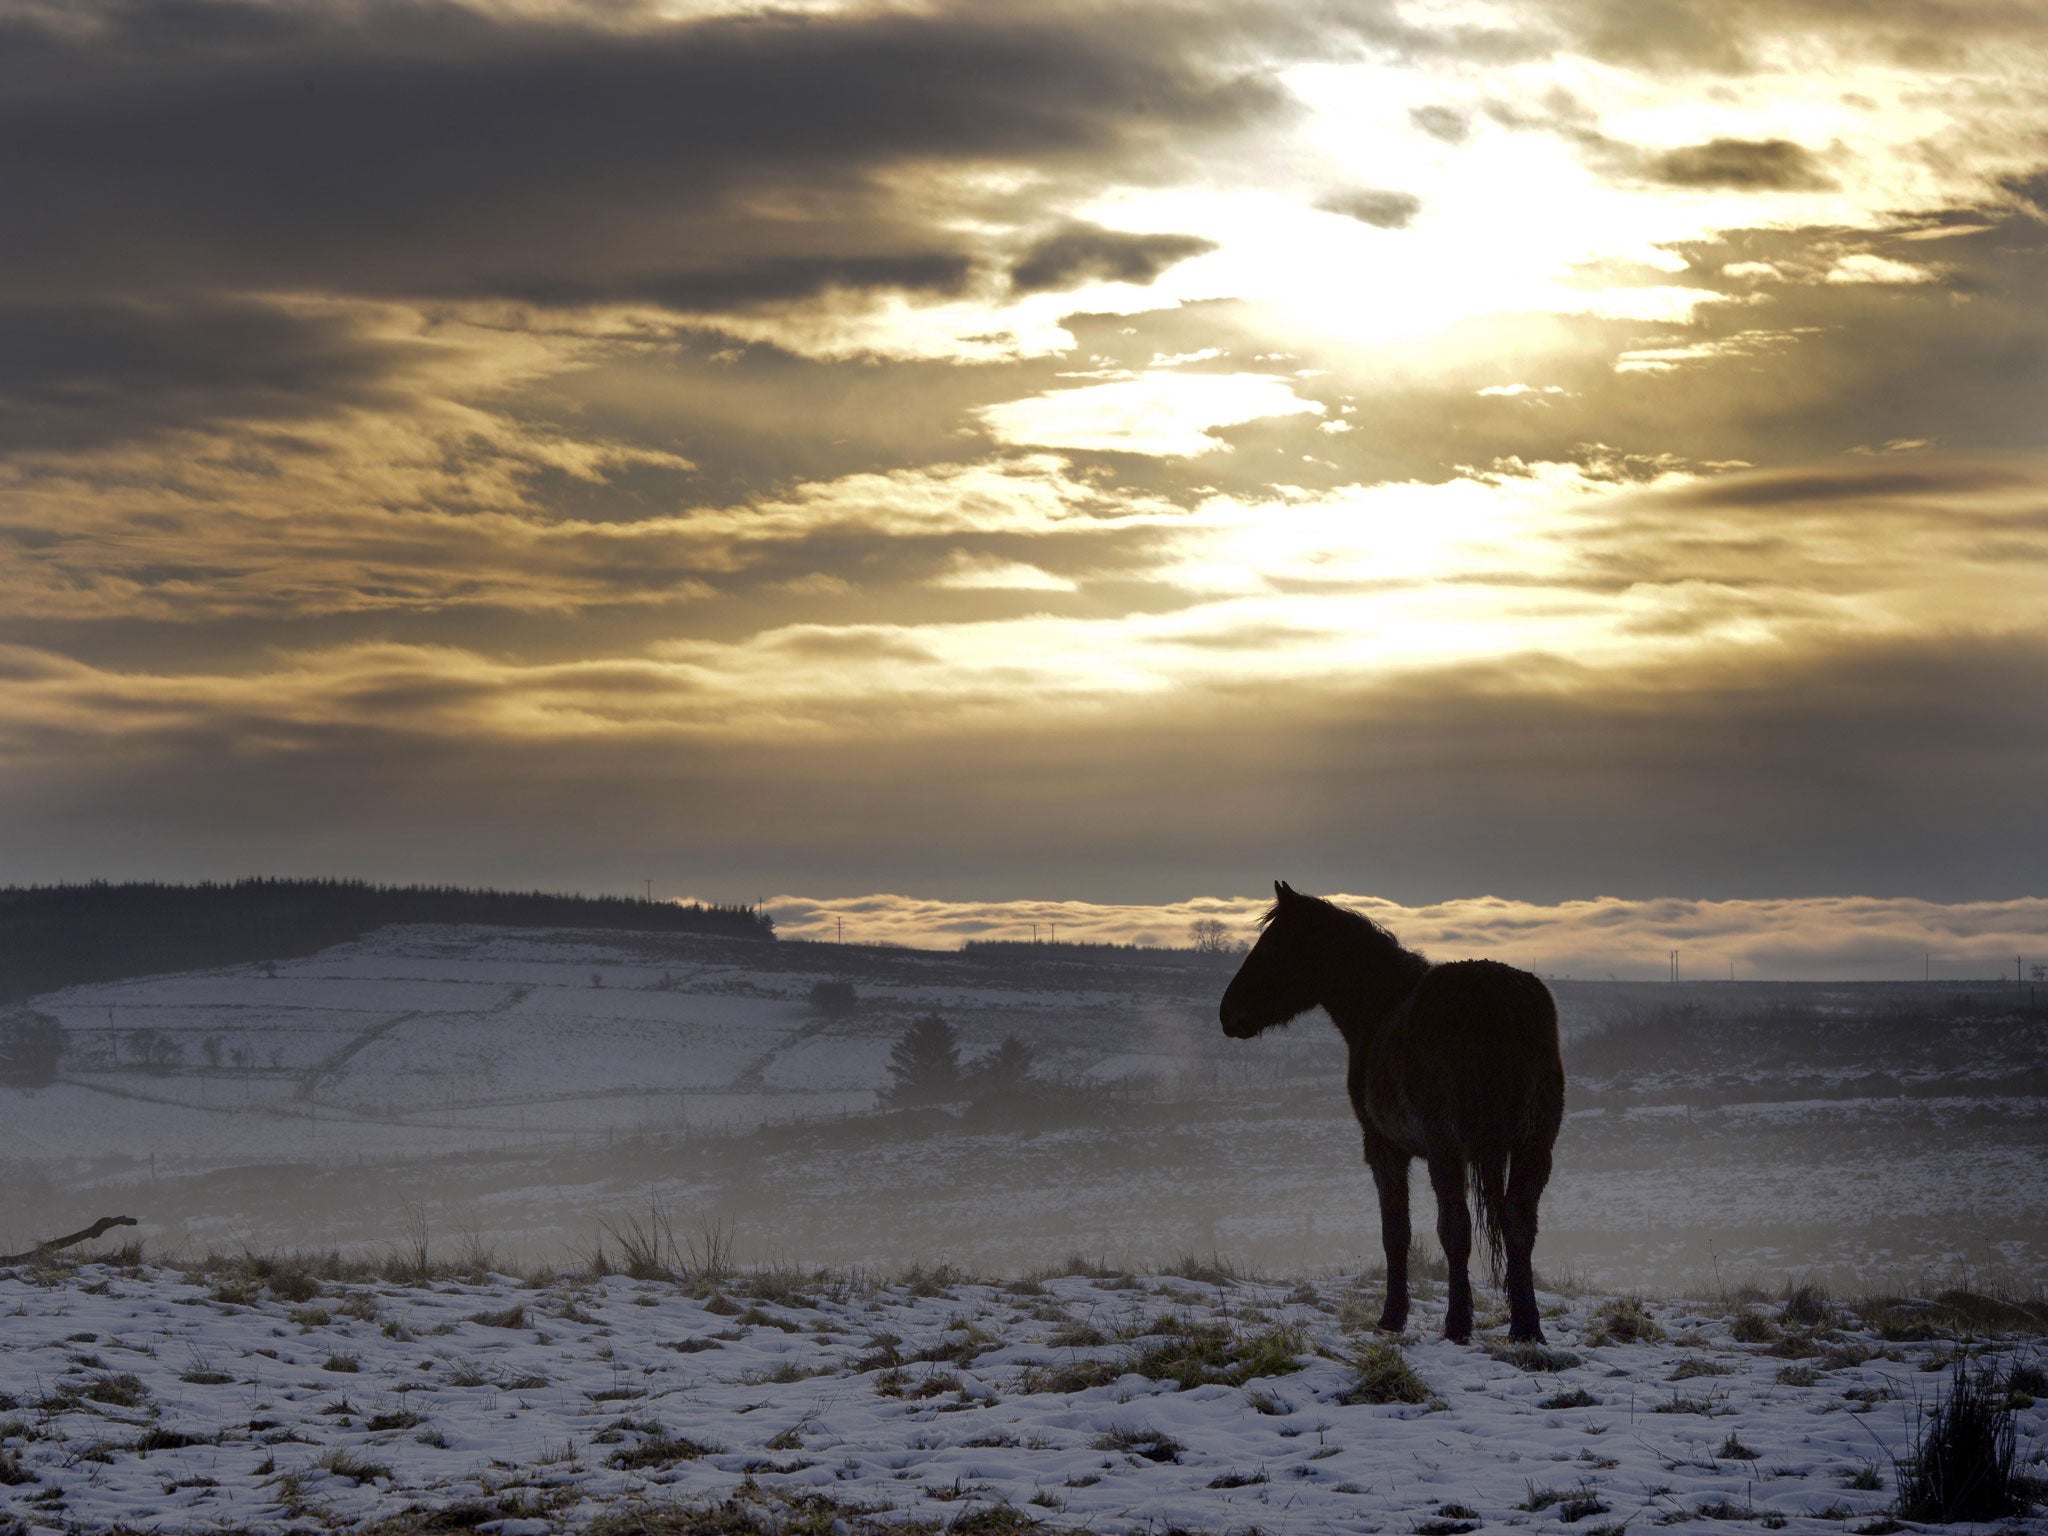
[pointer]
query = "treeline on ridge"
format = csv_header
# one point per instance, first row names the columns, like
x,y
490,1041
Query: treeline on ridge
x,y
1063,949
55,936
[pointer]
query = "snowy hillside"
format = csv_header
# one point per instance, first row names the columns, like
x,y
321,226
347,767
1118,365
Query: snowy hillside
x,y
435,1039
268,1397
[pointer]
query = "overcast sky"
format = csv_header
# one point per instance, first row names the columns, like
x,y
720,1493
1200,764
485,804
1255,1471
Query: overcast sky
x,y
999,450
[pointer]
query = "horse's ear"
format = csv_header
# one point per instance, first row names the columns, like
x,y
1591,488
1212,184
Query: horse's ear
x,y
1282,890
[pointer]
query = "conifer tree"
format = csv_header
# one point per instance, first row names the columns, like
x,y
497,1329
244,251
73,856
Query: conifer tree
x,y
924,1065
1007,1066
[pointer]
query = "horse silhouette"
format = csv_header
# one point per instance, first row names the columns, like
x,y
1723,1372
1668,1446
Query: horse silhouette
x,y
1456,1064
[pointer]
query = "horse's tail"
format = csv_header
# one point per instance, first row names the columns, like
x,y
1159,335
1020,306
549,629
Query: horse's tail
x,y
1487,1171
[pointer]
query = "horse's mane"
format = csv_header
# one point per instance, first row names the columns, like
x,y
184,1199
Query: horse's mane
x,y
1353,924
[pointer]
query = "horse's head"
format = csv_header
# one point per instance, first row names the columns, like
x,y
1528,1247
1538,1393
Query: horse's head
x,y
1282,978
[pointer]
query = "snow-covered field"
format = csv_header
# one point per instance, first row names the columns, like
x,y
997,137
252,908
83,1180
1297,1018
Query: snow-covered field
x,y
270,1399
518,1087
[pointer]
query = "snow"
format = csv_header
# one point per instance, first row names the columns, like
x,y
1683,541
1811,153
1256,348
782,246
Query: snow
x,y
548,1403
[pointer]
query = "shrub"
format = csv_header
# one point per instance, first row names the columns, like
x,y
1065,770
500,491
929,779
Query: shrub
x,y
1962,1462
121,1391
358,1469
1076,1376
1808,1305
1240,1479
659,1449
31,1046
161,1439
1689,1369
1572,1504
1196,1354
1006,1068
1525,1356
1751,1327
1385,1376
1146,1442
834,999
1577,1397
1624,1320
1677,1403
1976,1313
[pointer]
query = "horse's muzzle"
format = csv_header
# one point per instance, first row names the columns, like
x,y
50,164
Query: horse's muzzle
x,y
1237,1023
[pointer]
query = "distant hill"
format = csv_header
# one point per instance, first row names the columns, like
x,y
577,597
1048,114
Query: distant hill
x,y
55,936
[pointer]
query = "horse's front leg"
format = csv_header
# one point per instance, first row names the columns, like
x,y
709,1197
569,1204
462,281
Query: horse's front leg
x,y
1454,1233
1390,1177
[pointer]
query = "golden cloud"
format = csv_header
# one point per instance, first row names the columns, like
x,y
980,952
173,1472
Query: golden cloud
x,y
1831,938
1549,575
1161,412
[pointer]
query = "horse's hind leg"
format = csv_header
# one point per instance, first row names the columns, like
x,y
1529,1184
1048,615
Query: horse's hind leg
x,y
1454,1233
1528,1172
1390,1178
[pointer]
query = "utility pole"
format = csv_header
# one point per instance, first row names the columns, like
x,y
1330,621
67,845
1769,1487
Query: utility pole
x,y
1034,933
1674,967
1055,933
839,930
650,888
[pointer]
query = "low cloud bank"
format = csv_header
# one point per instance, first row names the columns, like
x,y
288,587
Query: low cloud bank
x,y
1808,939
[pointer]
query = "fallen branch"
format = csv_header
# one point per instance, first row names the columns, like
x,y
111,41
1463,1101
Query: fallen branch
x,y
97,1229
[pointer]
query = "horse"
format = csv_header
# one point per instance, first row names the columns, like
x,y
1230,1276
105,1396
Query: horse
x,y
1457,1064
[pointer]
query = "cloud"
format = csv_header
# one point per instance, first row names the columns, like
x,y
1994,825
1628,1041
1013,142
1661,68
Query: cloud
x,y
1382,210
1082,253
545,427
1793,781
991,573
1816,938
89,373
1742,344
1866,267
1542,581
704,165
1170,414
767,280
1445,123
430,507
1770,165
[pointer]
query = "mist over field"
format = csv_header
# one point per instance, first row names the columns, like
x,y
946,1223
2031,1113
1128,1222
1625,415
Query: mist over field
x,y
529,1093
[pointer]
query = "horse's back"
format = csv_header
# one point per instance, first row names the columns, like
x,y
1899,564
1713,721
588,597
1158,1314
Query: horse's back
x,y
1486,1002
1480,1044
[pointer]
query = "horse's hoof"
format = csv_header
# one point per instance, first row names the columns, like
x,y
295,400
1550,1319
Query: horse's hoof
x,y
1389,1323
1462,1337
1526,1335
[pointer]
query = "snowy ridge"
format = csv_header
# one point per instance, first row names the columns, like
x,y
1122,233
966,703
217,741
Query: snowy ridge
x,y
265,1398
